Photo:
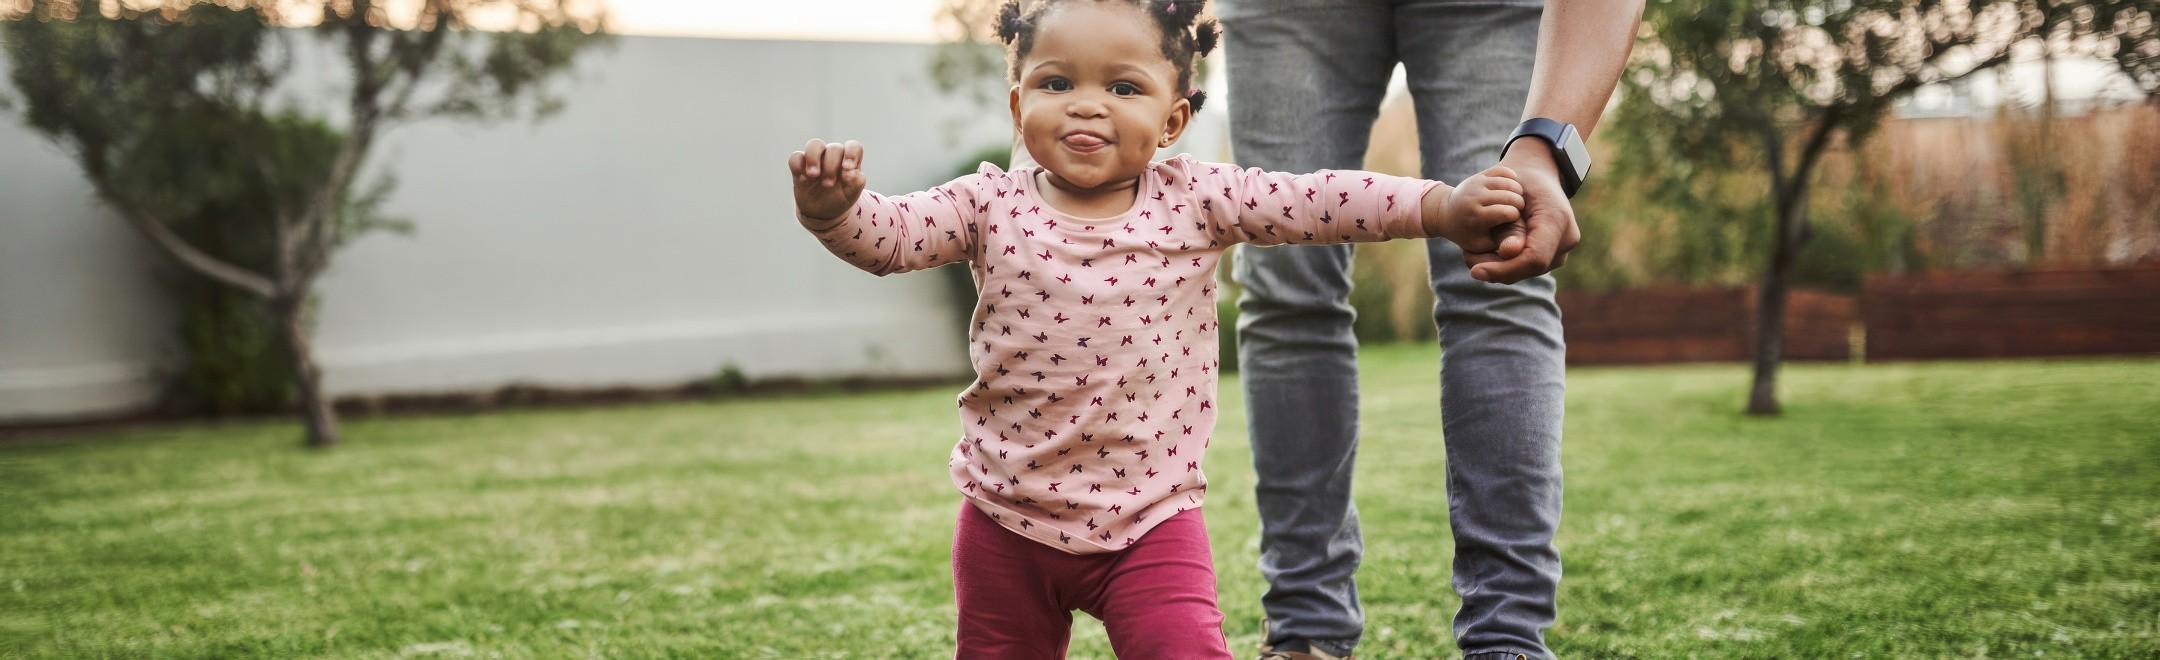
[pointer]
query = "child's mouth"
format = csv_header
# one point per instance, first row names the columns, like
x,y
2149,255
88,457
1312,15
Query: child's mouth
x,y
1085,142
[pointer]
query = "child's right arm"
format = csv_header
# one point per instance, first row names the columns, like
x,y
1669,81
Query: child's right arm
x,y
883,235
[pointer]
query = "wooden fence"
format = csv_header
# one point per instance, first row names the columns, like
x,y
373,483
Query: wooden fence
x,y
1642,326
2013,314
1949,315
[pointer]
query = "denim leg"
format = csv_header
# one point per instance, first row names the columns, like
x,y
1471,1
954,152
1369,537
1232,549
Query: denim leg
x,y
1306,80
1502,377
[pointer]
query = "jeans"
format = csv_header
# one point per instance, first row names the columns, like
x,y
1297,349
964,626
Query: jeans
x,y
1306,80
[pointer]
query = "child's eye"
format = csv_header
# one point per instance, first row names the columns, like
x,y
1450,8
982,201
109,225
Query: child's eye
x,y
1124,89
1057,85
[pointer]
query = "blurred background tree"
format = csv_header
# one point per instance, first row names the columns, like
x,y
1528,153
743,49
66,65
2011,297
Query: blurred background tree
x,y
968,51
167,106
1725,85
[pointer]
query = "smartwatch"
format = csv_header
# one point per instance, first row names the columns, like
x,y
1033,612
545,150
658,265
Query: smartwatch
x,y
1567,149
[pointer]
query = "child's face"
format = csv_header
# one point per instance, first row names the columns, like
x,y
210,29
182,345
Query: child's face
x,y
1096,96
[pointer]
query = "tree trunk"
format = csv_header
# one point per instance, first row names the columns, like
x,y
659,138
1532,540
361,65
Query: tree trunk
x,y
1792,233
315,410
1770,328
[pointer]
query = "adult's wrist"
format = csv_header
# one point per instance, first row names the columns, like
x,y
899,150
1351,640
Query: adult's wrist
x,y
1534,155
1562,145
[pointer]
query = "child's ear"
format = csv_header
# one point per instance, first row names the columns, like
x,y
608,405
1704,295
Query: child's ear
x,y
1014,101
1180,117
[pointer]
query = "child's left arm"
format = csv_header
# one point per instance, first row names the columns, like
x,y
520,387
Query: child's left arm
x,y
1348,206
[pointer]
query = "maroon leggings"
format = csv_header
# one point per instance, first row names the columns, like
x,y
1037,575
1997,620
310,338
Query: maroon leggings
x,y
1156,598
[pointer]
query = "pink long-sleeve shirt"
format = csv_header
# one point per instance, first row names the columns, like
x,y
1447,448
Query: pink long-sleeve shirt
x,y
1094,340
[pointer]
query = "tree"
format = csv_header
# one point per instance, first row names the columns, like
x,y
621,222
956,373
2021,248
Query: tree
x,y
968,51
167,110
1721,84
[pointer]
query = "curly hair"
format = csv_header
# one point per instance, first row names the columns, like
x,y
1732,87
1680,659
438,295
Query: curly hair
x,y
1186,36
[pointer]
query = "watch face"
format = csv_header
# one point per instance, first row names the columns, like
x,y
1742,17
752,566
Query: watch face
x,y
1578,155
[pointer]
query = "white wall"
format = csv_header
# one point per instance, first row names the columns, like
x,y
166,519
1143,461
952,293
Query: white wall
x,y
646,235
642,237
79,330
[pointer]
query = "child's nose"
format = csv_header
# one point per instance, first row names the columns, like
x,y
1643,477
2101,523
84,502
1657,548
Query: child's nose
x,y
1086,109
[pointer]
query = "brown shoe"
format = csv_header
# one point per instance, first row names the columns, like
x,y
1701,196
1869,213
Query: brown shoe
x,y
1311,652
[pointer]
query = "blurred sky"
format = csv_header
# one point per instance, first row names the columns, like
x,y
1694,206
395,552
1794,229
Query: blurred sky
x,y
868,20
915,21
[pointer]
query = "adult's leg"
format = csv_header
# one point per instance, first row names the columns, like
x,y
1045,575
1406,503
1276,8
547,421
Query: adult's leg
x,y
1306,80
1502,376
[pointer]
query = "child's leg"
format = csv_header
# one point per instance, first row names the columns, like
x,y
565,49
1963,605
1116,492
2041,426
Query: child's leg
x,y
1010,606
1158,598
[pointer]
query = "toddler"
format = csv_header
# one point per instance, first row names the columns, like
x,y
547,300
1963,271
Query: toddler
x,y
1094,337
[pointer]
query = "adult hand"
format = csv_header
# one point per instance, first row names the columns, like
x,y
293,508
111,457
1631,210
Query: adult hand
x,y
1540,243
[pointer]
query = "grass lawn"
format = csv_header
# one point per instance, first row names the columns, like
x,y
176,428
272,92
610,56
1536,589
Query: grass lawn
x,y
1968,509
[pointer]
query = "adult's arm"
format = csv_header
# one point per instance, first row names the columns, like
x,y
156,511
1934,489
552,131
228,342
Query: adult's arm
x,y
1582,47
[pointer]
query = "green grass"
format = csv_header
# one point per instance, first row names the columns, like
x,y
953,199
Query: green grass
x,y
1976,509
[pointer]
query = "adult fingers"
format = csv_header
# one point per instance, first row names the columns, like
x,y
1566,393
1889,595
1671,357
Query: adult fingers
x,y
1471,260
1508,240
1535,258
1569,241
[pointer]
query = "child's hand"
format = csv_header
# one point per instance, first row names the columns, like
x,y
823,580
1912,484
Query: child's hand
x,y
828,178
1478,212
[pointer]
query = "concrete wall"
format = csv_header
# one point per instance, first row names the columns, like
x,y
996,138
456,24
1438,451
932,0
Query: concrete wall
x,y
642,237
80,327
646,236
